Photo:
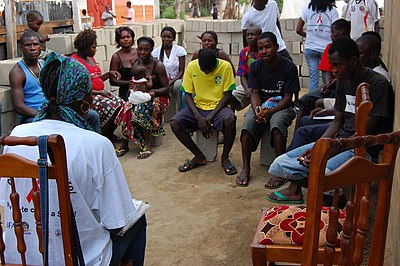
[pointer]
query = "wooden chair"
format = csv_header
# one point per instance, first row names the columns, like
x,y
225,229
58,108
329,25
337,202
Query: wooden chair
x,y
261,254
357,170
15,167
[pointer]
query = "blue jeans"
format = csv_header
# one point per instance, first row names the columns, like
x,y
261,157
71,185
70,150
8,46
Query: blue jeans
x,y
287,166
308,134
130,246
93,119
313,57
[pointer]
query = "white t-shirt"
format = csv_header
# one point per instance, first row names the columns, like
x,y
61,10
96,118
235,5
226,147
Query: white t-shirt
x,y
99,195
171,63
362,15
318,27
265,19
131,14
108,18
379,69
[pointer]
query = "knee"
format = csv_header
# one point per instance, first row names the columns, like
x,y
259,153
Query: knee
x,y
230,120
175,126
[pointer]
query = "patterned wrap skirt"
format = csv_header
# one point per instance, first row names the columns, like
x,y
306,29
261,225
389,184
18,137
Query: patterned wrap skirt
x,y
106,107
146,116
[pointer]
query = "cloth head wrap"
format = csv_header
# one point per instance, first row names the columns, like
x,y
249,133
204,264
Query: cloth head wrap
x,y
73,85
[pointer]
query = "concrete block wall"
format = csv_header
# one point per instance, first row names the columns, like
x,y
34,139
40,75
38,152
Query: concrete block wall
x,y
230,40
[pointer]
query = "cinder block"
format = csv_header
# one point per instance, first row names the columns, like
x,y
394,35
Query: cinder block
x,y
235,60
192,36
231,26
101,37
156,141
224,26
138,30
224,38
237,37
217,25
267,153
202,26
291,36
289,24
192,47
234,49
8,121
61,43
110,35
238,25
189,25
209,147
297,59
100,55
157,40
6,99
210,25
110,50
296,48
6,66
226,47
147,30
304,72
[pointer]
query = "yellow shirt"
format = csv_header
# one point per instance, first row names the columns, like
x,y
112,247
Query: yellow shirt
x,y
208,89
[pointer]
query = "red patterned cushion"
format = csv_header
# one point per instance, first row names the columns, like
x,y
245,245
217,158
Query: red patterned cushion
x,y
285,225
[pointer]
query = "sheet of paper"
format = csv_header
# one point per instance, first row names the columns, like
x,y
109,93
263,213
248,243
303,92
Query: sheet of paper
x,y
328,117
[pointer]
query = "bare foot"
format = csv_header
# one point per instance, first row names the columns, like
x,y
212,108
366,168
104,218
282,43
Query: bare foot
x,y
291,193
275,182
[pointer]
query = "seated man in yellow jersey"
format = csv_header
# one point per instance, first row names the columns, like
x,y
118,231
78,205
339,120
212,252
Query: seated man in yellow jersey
x,y
208,84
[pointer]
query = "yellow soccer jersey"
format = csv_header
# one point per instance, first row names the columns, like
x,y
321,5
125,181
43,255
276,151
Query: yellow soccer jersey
x,y
208,89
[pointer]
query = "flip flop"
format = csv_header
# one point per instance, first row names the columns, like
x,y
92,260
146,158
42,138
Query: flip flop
x,y
283,199
229,169
279,183
144,154
189,165
121,152
244,181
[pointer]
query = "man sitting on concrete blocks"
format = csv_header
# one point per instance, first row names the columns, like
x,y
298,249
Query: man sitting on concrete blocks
x,y
208,84
270,76
26,90
241,96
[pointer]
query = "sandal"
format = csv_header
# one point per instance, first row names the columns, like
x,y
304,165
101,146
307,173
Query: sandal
x,y
242,181
144,154
121,152
189,165
229,169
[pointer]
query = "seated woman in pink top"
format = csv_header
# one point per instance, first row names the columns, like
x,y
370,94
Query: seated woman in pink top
x,y
105,103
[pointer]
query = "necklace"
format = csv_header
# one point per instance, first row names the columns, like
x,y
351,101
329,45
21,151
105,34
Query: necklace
x,y
30,70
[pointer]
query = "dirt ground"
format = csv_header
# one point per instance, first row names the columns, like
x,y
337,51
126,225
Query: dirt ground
x,y
199,217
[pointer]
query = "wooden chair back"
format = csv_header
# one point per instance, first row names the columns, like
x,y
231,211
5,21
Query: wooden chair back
x,y
263,254
357,170
13,166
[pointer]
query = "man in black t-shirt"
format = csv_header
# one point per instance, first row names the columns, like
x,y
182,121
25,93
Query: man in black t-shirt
x,y
346,67
273,80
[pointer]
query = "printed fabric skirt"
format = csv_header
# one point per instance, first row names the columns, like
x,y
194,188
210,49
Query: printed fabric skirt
x,y
147,116
106,107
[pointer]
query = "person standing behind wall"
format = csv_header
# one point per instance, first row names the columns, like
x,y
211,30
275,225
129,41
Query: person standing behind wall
x,y
363,15
319,16
108,16
265,14
130,16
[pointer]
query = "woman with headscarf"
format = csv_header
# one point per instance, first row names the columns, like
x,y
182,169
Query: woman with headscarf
x,y
173,57
105,103
99,193
146,119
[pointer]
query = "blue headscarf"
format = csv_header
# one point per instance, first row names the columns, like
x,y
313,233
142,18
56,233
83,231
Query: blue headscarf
x,y
74,84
